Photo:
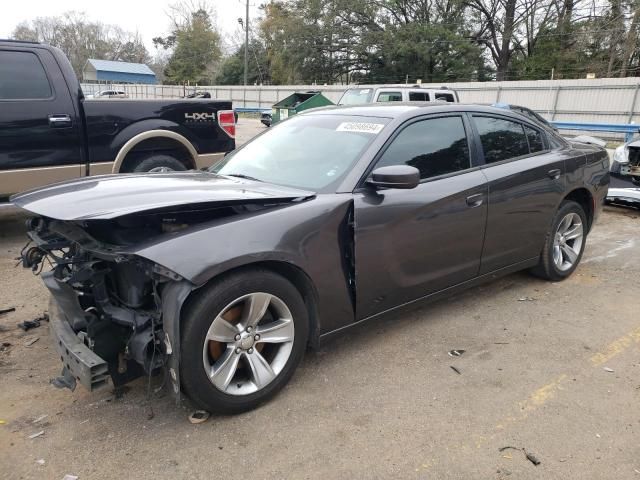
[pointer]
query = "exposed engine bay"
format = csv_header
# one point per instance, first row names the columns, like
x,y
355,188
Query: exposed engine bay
x,y
111,299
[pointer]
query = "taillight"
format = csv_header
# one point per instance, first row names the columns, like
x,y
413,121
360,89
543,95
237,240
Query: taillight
x,y
227,121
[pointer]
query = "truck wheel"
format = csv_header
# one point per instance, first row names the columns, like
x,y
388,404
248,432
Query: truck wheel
x,y
564,244
242,338
159,163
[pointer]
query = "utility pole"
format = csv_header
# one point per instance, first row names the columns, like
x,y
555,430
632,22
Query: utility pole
x,y
246,45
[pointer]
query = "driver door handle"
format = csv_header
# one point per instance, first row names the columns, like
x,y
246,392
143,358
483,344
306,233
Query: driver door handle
x,y
475,200
60,121
554,174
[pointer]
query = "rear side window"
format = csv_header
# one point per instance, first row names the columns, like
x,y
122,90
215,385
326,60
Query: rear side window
x,y
447,97
435,147
501,139
418,97
390,97
22,76
536,143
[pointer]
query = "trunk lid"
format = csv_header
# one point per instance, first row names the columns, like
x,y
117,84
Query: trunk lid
x,y
111,196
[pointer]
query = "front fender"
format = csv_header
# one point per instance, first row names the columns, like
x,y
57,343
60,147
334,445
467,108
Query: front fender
x,y
307,235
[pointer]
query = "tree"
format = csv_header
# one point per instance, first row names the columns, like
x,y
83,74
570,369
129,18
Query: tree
x,y
81,39
231,69
194,43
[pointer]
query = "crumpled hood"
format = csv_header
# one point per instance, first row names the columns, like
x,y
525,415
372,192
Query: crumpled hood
x,y
111,196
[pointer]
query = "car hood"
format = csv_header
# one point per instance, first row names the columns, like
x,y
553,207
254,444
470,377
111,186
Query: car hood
x,y
111,196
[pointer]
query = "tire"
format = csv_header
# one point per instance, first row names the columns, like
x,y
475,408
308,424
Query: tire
x,y
159,163
561,256
635,181
208,345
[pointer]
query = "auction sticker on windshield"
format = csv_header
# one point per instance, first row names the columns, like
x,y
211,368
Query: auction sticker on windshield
x,y
360,127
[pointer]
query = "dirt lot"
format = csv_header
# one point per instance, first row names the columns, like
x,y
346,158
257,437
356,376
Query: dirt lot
x,y
381,402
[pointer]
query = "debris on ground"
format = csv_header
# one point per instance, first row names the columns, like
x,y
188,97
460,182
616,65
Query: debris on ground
x,y
36,435
68,476
455,369
7,310
530,456
31,341
199,416
5,346
35,323
526,299
40,461
455,353
607,369
40,418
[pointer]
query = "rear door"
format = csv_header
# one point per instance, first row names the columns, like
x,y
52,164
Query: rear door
x,y
526,183
410,243
39,136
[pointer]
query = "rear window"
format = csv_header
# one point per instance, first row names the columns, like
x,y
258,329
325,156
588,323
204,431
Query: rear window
x,y
501,139
447,97
22,77
390,97
356,96
536,143
418,97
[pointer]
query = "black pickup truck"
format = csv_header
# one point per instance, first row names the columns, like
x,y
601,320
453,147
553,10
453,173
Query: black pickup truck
x,y
49,132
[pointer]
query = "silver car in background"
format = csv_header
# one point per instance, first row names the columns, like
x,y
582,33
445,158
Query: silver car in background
x,y
626,160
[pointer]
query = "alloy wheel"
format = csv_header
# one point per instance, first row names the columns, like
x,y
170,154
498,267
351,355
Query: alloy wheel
x,y
248,343
567,243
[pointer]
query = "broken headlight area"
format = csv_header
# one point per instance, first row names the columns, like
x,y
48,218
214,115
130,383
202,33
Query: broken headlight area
x,y
106,302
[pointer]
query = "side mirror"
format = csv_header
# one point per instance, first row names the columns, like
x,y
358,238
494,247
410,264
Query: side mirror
x,y
395,176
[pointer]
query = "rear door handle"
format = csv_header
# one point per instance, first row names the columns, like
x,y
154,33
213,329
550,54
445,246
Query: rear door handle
x,y
60,121
554,174
475,200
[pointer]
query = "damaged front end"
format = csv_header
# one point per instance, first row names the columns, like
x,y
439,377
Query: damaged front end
x,y
106,305
634,162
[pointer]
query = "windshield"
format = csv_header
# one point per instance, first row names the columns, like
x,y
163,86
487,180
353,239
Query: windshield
x,y
312,152
356,96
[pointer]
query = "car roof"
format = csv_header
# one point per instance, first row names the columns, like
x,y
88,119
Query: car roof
x,y
400,109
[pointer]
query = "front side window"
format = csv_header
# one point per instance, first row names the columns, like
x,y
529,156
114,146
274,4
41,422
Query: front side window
x,y
435,146
22,77
501,139
313,152
390,97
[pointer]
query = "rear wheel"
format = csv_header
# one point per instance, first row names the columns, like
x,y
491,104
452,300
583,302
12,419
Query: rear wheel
x,y
565,243
242,339
159,163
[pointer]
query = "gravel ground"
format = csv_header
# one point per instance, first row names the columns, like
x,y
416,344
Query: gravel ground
x,y
553,368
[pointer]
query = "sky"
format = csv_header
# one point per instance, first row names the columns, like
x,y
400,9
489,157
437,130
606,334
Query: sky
x,y
147,17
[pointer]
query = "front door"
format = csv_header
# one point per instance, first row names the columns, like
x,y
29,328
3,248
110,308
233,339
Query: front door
x,y
410,243
39,136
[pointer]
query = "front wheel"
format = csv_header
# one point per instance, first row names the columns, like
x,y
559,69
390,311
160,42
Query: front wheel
x,y
242,339
565,243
